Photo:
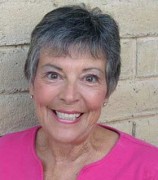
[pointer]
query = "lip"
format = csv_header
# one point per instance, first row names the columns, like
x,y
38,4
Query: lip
x,y
67,112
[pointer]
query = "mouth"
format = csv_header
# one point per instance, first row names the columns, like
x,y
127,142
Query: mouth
x,y
67,117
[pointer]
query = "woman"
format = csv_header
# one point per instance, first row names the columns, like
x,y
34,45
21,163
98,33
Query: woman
x,y
73,66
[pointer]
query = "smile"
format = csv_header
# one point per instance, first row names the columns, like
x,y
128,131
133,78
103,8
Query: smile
x,y
68,117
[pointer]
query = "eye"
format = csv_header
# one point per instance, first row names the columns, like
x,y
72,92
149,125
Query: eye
x,y
92,78
52,75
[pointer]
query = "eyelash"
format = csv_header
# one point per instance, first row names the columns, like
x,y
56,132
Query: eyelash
x,y
48,74
90,78
94,78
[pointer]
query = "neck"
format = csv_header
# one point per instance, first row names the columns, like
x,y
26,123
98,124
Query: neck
x,y
64,152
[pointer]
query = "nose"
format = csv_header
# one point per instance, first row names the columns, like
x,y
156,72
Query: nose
x,y
69,93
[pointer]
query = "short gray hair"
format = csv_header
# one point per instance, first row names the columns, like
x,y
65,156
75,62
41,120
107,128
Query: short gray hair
x,y
86,30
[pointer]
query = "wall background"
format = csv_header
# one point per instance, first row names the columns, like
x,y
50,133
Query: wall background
x,y
132,108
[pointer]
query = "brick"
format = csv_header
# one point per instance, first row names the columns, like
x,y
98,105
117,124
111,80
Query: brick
x,y
128,58
135,100
132,99
135,18
16,113
125,126
11,69
146,129
18,19
147,57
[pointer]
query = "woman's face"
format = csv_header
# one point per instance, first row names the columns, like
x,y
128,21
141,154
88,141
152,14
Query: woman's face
x,y
69,93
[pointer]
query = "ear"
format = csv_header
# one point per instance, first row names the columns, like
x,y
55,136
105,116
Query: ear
x,y
105,101
31,89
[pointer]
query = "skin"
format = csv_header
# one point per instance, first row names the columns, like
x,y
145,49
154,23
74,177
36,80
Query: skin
x,y
70,84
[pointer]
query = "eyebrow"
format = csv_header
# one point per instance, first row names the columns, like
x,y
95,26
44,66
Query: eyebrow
x,y
52,66
93,68
60,69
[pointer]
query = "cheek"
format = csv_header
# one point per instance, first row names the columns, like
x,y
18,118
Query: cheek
x,y
96,100
42,94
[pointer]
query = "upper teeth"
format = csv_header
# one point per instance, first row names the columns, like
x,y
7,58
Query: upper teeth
x,y
65,116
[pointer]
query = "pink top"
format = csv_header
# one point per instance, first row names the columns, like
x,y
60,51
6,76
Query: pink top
x,y
130,159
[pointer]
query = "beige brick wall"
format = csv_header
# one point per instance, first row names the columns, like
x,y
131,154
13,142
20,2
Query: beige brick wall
x,y
132,108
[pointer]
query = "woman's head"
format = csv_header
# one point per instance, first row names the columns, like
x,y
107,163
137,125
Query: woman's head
x,y
74,28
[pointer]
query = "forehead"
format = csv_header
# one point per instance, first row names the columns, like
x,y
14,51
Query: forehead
x,y
74,58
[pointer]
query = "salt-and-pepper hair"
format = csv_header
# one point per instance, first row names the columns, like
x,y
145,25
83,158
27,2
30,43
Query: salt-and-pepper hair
x,y
86,30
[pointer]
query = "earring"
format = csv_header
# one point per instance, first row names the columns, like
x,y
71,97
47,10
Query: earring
x,y
104,104
31,96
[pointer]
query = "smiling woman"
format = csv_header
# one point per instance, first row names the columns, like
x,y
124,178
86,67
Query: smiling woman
x,y
69,85
73,66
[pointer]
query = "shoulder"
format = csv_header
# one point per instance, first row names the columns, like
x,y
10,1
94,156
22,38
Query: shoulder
x,y
134,149
136,157
140,155
137,145
17,154
127,140
16,140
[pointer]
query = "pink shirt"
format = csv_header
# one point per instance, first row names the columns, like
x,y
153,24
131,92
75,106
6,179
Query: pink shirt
x,y
130,159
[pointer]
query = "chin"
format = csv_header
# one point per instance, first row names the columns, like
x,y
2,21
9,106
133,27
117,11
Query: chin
x,y
66,134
